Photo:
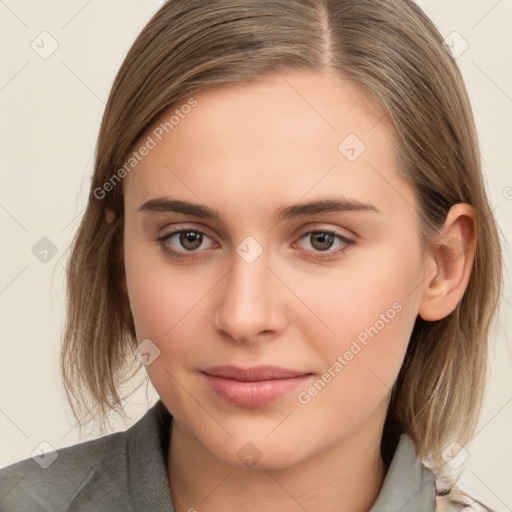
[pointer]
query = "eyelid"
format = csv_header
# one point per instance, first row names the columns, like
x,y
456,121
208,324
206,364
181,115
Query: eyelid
x,y
314,227
176,228
302,231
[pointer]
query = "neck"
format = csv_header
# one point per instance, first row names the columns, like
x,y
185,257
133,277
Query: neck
x,y
347,477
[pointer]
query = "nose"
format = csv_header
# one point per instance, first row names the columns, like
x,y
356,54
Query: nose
x,y
250,303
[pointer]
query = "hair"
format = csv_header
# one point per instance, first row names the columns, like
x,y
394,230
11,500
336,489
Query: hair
x,y
395,55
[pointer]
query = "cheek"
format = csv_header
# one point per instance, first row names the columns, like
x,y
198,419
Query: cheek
x,y
159,295
165,306
168,308
376,288
361,363
370,310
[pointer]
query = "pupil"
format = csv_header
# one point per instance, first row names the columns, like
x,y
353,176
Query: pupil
x,y
190,240
325,241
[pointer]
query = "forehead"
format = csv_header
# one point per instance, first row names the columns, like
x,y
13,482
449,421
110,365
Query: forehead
x,y
282,136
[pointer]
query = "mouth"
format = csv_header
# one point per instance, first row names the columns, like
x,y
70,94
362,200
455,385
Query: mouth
x,y
256,386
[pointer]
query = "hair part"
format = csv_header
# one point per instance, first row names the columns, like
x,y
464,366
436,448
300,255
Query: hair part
x,y
395,55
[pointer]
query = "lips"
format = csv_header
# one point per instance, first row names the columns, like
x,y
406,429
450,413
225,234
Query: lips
x,y
253,374
253,387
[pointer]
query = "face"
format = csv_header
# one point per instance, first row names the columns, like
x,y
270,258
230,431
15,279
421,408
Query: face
x,y
300,251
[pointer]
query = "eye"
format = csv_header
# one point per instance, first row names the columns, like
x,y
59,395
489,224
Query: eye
x,y
181,241
322,241
189,242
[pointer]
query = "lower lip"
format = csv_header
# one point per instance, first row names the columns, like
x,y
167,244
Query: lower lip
x,y
254,394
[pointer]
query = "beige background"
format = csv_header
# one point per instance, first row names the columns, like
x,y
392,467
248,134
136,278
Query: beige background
x,y
51,109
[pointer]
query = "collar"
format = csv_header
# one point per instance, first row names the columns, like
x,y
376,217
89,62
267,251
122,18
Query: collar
x,y
409,486
147,450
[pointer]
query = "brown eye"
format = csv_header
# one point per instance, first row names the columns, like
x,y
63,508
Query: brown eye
x,y
321,241
185,242
191,240
324,243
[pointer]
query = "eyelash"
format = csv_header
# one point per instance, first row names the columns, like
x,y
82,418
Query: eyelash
x,y
319,255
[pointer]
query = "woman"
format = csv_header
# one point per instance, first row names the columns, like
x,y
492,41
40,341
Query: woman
x,y
287,226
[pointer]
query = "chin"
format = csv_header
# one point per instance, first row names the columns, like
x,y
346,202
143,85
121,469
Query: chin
x,y
258,454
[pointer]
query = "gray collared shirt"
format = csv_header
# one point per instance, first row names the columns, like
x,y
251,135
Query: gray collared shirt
x,y
126,471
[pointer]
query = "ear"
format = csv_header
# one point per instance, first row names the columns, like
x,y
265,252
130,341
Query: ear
x,y
449,267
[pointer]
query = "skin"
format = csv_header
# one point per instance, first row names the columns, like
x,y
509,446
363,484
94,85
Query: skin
x,y
246,150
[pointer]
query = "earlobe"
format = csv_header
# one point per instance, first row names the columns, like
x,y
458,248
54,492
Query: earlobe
x,y
122,278
122,282
451,262
109,215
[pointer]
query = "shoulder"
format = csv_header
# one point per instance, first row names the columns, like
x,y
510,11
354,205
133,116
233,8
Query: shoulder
x,y
119,472
458,501
50,482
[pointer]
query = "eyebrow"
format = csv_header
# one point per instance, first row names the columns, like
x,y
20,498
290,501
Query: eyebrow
x,y
316,207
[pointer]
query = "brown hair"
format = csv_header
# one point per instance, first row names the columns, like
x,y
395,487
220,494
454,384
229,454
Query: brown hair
x,y
394,53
